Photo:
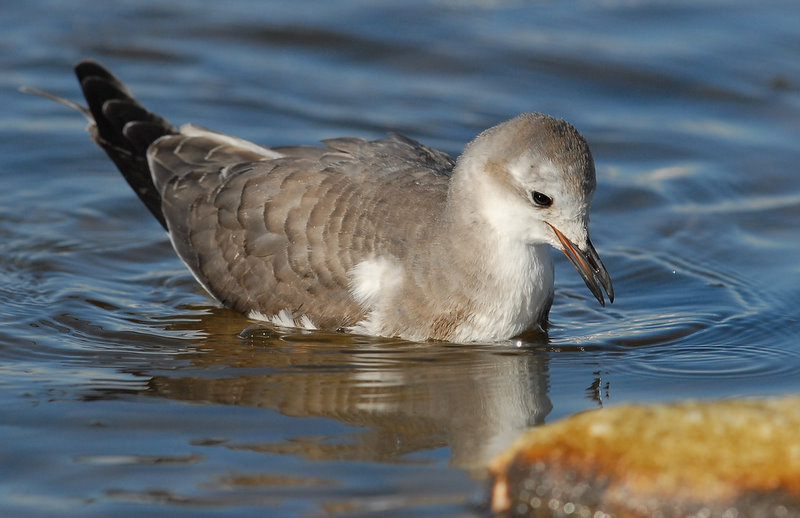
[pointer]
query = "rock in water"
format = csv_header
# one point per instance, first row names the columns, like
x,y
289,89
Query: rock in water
x,y
729,459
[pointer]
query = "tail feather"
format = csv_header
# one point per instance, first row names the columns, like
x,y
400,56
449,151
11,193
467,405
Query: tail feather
x,y
124,129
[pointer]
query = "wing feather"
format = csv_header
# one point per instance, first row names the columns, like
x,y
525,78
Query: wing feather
x,y
259,232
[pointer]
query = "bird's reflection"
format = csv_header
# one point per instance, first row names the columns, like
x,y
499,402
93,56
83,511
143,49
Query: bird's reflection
x,y
406,397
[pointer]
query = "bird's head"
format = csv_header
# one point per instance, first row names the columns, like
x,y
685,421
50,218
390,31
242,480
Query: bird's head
x,y
538,178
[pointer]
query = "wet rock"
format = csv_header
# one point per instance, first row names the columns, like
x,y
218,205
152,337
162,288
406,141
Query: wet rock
x,y
729,459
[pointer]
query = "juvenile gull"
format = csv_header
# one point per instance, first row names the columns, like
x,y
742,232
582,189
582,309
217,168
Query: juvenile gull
x,y
386,237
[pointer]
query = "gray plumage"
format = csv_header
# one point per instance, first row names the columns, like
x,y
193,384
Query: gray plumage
x,y
386,237
257,232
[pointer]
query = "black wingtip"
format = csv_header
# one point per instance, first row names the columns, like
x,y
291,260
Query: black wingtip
x,y
98,92
123,128
90,68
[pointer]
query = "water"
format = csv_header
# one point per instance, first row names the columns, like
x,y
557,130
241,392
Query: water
x,y
125,392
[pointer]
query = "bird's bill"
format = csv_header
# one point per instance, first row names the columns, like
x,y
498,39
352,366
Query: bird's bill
x,y
589,265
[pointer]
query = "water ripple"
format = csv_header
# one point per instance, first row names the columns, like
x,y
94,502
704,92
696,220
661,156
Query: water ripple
x,y
711,361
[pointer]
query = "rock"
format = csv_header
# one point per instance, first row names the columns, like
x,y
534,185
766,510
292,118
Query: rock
x,y
728,459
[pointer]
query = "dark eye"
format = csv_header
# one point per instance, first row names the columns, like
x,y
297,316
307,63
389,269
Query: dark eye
x,y
541,200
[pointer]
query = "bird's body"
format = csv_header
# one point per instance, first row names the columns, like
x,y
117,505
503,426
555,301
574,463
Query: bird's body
x,y
385,237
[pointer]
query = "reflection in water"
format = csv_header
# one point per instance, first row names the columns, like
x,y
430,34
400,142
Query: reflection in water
x,y
409,397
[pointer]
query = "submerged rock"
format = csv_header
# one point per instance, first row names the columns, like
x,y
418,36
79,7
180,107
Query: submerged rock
x,y
729,459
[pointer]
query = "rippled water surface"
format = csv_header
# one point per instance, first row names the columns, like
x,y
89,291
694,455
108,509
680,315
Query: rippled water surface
x,y
126,392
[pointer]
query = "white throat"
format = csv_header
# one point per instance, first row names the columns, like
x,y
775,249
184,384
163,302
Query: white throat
x,y
518,292
516,265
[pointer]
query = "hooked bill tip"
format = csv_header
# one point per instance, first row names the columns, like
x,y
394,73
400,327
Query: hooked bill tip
x,y
589,266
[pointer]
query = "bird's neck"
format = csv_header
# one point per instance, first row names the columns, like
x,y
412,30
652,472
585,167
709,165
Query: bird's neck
x,y
508,283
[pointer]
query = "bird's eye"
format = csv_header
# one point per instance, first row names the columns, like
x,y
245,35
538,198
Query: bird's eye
x,y
542,200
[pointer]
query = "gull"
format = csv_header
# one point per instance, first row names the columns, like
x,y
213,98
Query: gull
x,y
382,237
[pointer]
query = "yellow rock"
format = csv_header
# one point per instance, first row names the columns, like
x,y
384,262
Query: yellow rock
x,y
731,459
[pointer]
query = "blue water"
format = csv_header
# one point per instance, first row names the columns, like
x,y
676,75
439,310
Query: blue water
x,y
124,391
